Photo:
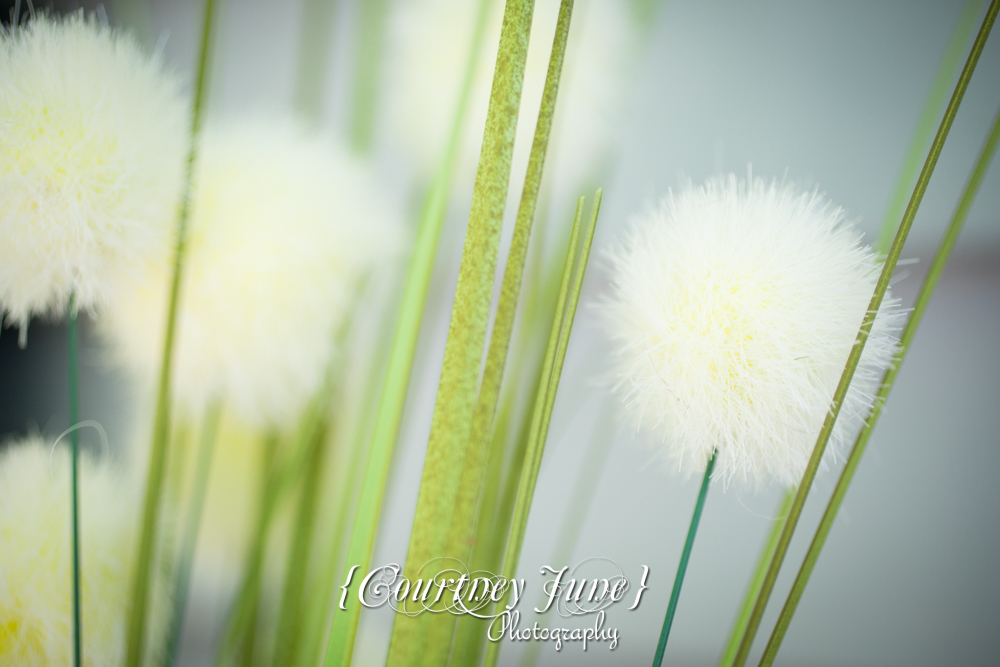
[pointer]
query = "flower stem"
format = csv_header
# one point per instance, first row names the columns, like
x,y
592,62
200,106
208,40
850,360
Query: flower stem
x,y
869,319
740,626
161,427
401,354
555,356
923,298
74,475
189,539
371,38
675,593
950,63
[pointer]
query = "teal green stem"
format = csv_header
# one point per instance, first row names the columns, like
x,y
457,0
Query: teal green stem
x,y
869,319
401,354
919,308
675,593
192,525
136,632
74,475
740,626
950,63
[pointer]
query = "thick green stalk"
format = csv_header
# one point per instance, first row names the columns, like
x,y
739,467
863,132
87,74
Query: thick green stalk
x,y
675,593
371,38
404,342
740,626
189,540
74,474
546,399
869,319
461,534
923,298
136,636
950,63
423,639
314,57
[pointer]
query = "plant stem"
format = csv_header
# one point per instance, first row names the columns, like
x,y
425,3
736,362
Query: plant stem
x,y
161,426
74,475
740,626
923,298
675,593
555,356
401,353
950,63
189,539
314,56
371,38
869,319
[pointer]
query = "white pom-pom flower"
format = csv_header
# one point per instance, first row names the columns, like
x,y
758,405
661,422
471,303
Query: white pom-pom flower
x,y
735,307
36,623
283,226
92,138
427,55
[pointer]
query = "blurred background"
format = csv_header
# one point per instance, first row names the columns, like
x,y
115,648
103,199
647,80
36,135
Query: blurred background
x,y
823,94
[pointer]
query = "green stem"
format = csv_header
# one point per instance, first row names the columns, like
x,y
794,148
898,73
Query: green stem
x,y
950,63
371,38
675,593
239,637
189,540
869,319
463,519
740,626
314,56
555,356
74,475
401,353
161,427
923,298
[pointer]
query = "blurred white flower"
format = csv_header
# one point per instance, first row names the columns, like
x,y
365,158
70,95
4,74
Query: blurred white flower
x,y
734,307
427,54
92,141
284,224
36,623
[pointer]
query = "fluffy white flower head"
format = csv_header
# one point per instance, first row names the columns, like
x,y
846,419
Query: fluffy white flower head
x,y
283,226
92,139
36,624
735,306
427,55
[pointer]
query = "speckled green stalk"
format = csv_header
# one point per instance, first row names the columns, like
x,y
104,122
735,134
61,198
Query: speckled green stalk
x,y
869,319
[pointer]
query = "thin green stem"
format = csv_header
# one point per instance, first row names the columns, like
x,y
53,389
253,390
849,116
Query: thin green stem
x,y
314,56
371,38
740,625
136,636
401,353
675,593
192,524
869,319
950,63
74,475
919,308
552,371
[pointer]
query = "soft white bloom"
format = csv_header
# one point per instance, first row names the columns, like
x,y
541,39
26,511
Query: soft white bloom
x,y
427,54
36,623
284,224
734,308
92,140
